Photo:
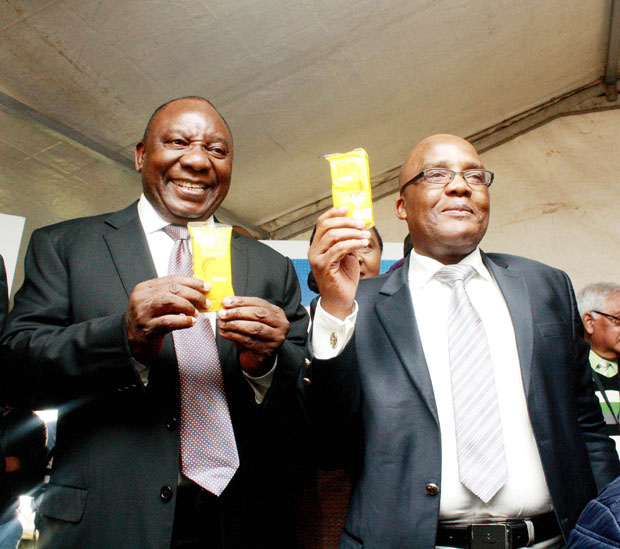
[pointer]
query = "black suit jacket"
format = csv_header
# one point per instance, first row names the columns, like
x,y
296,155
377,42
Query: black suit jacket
x,y
4,295
378,393
116,462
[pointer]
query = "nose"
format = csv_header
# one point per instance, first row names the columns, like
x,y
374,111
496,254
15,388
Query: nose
x,y
458,186
196,158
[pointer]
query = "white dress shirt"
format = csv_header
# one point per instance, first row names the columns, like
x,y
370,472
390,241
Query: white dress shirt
x,y
160,245
525,494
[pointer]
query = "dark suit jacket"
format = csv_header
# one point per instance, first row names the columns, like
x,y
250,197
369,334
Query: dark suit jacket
x,y
4,295
378,393
116,462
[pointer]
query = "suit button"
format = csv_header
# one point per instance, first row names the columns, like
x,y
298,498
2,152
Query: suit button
x,y
307,381
165,493
432,489
308,362
172,423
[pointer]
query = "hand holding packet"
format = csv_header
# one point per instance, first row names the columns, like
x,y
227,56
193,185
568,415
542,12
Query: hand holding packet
x,y
351,184
211,256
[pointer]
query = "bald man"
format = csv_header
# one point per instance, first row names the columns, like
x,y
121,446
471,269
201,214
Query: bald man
x,y
463,377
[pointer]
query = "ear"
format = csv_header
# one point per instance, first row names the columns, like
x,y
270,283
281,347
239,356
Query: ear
x,y
588,324
399,208
138,156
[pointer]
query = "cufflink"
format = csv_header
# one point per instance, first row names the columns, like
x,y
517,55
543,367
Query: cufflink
x,y
333,340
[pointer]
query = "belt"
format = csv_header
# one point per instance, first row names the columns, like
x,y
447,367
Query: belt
x,y
505,534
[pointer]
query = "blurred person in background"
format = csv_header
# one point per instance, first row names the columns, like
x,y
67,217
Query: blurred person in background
x,y
22,450
599,307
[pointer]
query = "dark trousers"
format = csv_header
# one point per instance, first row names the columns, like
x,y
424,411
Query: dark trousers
x,y
197,519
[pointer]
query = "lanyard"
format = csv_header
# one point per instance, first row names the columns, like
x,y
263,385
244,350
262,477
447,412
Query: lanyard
x,y
600,387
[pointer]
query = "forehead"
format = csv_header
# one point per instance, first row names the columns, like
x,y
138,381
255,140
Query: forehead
x,y
191,117
452,153
374,240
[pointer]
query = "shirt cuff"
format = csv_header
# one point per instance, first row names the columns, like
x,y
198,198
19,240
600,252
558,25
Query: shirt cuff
x,y
330,335
261,384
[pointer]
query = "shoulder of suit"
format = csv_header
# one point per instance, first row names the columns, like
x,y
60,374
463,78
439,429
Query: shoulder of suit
x,y
374,281
521,263
70,224
79,227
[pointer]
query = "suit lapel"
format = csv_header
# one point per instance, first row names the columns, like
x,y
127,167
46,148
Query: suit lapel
x,y
396,315
132,257
515,292
129,248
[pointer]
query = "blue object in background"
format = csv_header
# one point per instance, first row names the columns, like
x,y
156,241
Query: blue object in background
x,y
302,267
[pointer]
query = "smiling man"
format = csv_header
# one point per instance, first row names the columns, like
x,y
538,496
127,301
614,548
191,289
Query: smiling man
x,y
167,435
462,376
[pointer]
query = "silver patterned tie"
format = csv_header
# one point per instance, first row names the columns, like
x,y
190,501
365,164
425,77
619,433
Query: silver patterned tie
x,y
208,450
479,437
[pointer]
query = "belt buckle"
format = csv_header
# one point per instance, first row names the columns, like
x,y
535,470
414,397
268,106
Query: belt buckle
x,y
489,536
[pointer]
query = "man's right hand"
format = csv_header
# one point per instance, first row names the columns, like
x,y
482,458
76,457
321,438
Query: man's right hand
x,y
335,269
159,306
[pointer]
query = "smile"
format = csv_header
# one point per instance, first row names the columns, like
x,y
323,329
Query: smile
x,y
189,184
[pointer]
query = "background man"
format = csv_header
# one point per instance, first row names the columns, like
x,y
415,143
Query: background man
x,y
599,307
463,376
91,332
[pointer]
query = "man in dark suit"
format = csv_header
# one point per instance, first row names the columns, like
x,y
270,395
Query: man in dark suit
x,y
91,333
395,380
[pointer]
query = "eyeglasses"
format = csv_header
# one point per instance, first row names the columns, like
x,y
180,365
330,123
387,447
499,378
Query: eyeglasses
x,y
439,177
614,319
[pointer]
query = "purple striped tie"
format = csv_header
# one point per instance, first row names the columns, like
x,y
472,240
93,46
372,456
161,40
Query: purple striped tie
x,y
208,450
479,437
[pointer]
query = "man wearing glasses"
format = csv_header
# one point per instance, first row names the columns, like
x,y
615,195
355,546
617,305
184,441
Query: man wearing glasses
x,y
599,307
461,379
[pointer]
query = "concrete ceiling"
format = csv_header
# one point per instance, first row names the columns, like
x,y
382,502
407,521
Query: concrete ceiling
x,y
295,80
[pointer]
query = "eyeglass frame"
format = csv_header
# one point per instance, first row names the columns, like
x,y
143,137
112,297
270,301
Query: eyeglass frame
x,y
616,319
422,174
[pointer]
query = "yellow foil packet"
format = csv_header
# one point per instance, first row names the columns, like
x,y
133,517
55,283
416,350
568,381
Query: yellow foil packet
x,y
351,184
211,251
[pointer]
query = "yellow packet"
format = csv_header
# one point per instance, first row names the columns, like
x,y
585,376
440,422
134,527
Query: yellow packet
x,y
211,251
351,184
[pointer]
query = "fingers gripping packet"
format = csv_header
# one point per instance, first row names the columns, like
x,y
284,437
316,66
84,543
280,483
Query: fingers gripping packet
x,y
211,255
351,184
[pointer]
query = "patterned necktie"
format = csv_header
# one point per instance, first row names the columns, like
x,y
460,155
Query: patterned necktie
x,y
208,450
479,437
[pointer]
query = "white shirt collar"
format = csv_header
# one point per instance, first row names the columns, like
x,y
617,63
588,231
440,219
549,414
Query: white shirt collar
x,y
423,268
151,219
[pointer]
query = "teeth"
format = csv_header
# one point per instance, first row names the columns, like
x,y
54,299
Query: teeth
x,y
189,184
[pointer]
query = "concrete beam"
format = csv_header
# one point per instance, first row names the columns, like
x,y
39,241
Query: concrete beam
x,y
613,51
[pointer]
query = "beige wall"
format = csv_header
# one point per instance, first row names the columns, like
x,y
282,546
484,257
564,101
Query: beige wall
x,y
555,197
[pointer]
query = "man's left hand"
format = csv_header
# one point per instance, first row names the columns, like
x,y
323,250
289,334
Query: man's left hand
x,y
257,328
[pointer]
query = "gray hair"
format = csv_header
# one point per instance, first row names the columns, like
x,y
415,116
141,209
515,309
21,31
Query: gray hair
x,y
594,296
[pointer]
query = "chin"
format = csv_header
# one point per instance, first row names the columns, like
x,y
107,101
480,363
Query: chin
x,y
192,211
